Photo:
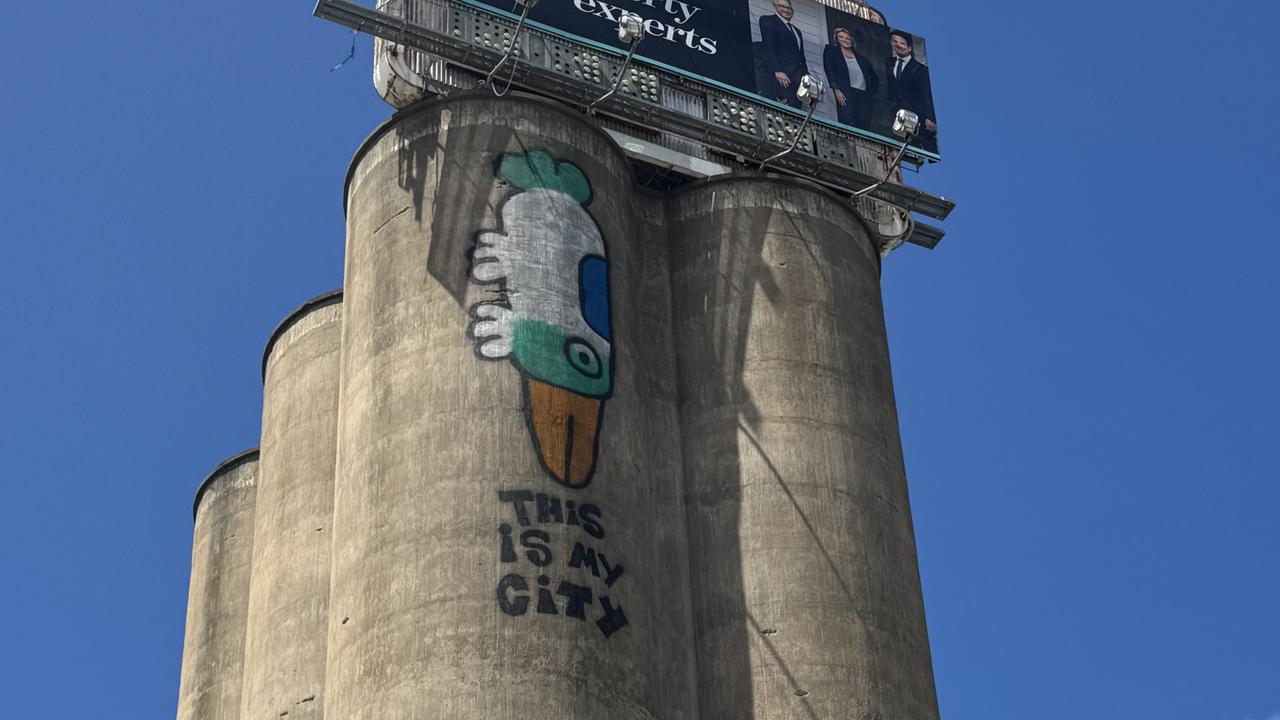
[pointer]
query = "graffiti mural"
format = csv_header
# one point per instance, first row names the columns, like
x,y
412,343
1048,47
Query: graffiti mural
x,y
551,318
540,577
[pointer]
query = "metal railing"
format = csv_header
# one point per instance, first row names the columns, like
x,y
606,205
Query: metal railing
x,y
458,42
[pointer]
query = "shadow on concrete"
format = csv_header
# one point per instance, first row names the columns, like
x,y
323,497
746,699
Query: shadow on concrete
x,y
712,307
796,688
833,567
786,490
720,274
712,398
458,187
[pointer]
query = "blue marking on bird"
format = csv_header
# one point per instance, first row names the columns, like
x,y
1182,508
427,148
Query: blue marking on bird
x,y
593,293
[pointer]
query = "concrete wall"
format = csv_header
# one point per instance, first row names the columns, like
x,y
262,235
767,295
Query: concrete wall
x,y
288,618
806,595
590,452
222,547
509,536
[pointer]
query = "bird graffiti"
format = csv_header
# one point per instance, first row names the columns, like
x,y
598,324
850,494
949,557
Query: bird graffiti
x,y
551,318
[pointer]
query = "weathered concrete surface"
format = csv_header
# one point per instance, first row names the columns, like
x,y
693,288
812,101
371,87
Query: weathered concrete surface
x,y
437,610
806,592
222,547
288,618
567,449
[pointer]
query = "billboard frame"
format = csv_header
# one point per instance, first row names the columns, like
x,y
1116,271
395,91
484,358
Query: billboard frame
x,y
912,150
828,161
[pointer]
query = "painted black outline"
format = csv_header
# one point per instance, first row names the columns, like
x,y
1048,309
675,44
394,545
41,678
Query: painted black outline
x,y
570,342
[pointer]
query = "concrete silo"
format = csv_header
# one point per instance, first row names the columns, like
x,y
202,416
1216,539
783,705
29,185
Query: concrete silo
x,y
570,446
807,599
288,601
508,524
601,425
221,555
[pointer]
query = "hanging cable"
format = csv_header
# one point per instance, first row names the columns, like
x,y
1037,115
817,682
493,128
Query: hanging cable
x,y
351,54
631,31
906,124
515,38
809,91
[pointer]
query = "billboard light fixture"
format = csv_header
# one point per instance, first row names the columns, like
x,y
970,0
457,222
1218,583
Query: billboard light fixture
x,y
631,32
682,114
630,29
808,91
906,125
515,38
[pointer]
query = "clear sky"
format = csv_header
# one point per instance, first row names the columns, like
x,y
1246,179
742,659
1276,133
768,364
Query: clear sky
x,y
1086,368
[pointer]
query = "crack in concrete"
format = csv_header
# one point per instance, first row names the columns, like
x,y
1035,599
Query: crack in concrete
x,y
403,210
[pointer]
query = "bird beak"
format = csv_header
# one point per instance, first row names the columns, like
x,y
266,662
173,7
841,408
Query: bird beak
x,y
565,428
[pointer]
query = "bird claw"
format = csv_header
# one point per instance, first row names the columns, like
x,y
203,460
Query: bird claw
x,y
490,262
492,330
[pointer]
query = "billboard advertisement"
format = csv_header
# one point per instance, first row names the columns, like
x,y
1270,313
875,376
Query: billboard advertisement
x,y
763,47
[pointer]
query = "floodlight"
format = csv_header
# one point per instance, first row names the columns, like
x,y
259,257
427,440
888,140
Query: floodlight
x,y
906,124
809,90
630,31
630,28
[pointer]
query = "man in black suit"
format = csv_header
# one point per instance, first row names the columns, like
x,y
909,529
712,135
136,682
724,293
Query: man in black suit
x,y
782,45
909,88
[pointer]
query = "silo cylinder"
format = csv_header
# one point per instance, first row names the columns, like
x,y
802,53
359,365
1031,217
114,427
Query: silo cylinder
x,y
221,552
288,603
508,522
806,592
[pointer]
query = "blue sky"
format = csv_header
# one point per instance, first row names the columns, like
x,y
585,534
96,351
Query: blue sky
x,y
1085,368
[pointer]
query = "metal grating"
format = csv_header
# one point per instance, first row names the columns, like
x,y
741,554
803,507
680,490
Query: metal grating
x,y
456,44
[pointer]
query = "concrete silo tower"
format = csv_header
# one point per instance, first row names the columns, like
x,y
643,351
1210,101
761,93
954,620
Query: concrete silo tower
x,y
288,601
221,560
601,425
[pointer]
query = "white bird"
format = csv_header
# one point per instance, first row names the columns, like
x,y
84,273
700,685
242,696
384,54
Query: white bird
x,y
553,319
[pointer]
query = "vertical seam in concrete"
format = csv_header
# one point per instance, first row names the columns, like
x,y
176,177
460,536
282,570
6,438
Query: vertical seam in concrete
x,y
690,625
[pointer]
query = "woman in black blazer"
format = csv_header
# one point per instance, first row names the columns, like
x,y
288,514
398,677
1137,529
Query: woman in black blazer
x,y
852,79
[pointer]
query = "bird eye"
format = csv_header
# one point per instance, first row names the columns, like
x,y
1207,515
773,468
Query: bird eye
x,y
583,358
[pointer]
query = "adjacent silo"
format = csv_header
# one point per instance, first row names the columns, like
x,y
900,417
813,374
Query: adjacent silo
x,y
806,593
221,554
287,618
508,523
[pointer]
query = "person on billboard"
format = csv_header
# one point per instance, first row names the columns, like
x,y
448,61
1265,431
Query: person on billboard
x,y
852,79
909,88
783,47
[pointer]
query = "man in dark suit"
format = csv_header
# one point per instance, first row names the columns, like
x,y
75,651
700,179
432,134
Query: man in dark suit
x,y
782,45
909,88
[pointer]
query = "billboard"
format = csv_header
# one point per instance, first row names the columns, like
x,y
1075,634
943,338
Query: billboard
x,y
763,47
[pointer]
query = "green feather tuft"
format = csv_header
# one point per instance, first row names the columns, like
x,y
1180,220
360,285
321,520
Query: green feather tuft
x,y
537,170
